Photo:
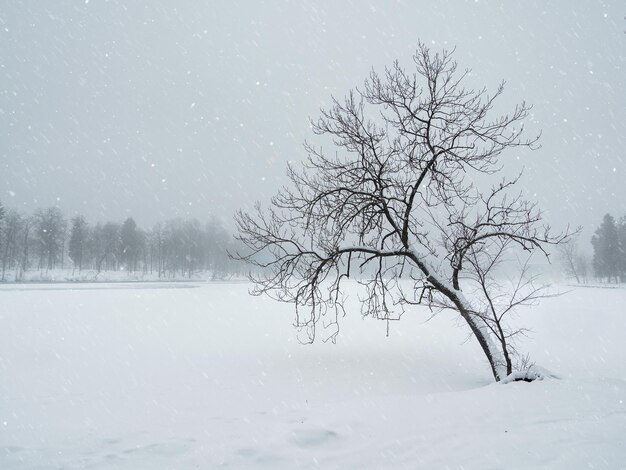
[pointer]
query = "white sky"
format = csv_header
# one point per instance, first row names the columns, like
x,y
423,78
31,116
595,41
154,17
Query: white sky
x,y
159,109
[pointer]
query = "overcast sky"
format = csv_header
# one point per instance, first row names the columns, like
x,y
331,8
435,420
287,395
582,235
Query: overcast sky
x,y
159,109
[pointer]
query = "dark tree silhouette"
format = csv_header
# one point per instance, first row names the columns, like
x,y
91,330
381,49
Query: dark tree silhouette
x,y
131,244
79,235
10,239
397,206
50,230
607,250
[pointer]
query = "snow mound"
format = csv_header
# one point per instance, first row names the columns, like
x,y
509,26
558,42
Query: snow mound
x,y
531,374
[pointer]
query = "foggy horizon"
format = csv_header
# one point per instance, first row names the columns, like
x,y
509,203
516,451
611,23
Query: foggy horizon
x,y
155,111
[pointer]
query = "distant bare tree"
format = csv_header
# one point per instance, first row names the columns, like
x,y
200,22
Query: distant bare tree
x,y
27,225
217,243
79,236
575,264
10,239
399,200
50,235
111,245
131,244
156,243
105,246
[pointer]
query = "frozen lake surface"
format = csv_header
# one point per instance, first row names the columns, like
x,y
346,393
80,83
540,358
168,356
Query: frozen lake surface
x,y
201,375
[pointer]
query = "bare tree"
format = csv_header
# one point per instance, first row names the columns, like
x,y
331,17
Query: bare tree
x,y
27,225
78,241
9,237
575,264
50,230
104,246
398,206
131,244
111,246
156,248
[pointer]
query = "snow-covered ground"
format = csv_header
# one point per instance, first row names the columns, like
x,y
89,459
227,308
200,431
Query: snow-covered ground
x,y
201,375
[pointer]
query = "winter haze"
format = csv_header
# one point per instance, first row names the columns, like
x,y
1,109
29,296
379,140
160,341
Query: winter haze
x,y
128,337
163,109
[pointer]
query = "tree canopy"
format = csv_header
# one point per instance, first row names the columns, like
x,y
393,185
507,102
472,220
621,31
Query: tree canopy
x,y
396,206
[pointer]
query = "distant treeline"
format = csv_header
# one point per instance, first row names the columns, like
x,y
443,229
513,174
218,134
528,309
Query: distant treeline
x,y
175,248
609,254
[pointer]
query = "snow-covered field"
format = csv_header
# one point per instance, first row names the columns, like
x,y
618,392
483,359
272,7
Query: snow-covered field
x,y
201,375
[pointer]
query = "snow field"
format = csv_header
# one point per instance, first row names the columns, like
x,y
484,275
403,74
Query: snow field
x,y
201,375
